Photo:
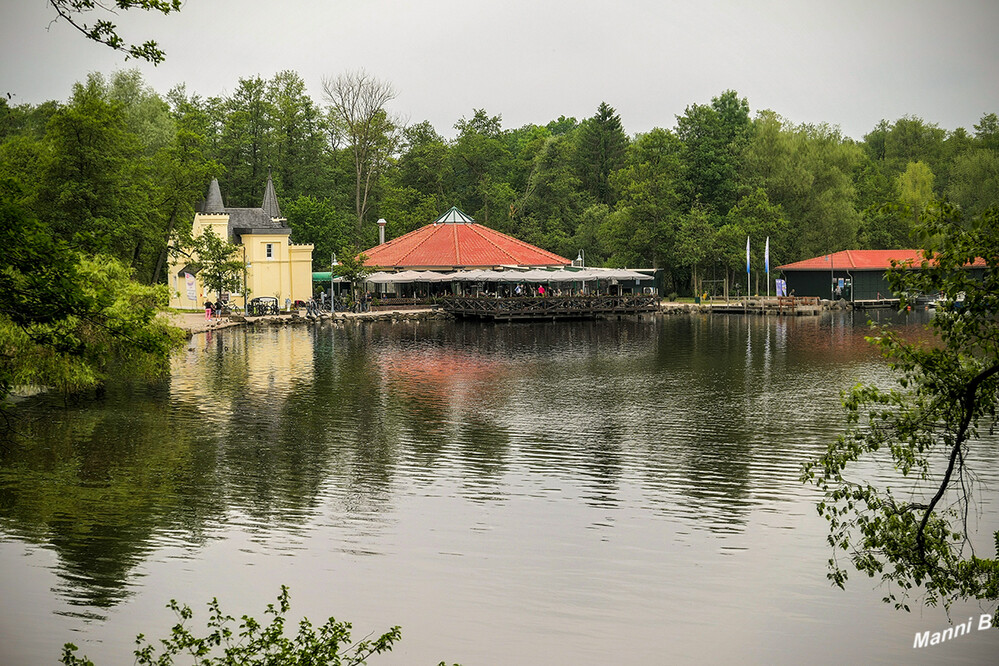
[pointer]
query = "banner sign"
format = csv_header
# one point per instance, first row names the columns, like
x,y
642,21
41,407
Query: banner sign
x,y
192,289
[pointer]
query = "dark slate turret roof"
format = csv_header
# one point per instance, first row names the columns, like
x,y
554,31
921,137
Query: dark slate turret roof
x,y
253,221
270,205
213,204
266,219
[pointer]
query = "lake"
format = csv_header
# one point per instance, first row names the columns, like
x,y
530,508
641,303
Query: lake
x,y
603,492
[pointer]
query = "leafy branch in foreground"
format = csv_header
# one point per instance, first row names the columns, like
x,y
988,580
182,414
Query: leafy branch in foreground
x,y
914,532
105,32
252,642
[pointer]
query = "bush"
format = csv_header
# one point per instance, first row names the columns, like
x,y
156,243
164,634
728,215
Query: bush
x,y
254,643
672,296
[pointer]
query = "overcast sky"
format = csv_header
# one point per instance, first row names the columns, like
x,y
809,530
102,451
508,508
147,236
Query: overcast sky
x,y
845,62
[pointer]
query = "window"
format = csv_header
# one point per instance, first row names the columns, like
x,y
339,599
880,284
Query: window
x,y
270,250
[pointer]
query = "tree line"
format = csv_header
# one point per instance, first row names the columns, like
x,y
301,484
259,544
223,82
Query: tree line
x,y
118,169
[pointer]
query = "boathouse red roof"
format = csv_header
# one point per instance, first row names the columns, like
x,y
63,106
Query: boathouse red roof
x,y
856,260
861,260
454,240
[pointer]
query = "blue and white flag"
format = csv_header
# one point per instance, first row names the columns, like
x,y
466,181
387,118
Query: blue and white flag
x,y
747,255
766,256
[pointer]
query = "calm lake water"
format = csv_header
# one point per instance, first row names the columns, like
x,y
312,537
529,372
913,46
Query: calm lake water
x,y
574,493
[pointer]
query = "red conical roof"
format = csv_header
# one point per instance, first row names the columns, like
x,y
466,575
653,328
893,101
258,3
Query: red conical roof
x,y
448,244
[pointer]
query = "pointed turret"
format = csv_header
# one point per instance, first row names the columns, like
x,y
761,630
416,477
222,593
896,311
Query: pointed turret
x,y
270,204
213,204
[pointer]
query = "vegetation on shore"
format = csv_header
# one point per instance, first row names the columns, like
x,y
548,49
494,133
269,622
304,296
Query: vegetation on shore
x,y
916,531
118,168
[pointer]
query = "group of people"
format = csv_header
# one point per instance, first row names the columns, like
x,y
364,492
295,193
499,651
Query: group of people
x,y
213,309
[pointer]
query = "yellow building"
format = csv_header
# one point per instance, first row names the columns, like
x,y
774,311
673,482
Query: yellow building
x,y
274,266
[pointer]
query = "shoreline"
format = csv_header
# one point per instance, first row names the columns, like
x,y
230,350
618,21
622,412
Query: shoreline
x,y
194,323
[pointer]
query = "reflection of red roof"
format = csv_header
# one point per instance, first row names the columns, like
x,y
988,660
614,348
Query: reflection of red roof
x,y
463,244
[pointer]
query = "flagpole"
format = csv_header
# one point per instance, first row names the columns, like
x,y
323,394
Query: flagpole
x,y
748,275
766,261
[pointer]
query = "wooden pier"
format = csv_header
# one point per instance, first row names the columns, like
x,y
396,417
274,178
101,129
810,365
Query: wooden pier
x,y
780,305
549,307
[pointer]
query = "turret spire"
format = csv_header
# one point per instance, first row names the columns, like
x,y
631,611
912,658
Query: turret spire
x,y
270,204
213,204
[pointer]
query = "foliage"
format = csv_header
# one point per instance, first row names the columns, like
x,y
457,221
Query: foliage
x,y
318,222
71,321
915,186
105,32
480,158
914,533
353,268
714,137
118,170
252,642
215,259
602,145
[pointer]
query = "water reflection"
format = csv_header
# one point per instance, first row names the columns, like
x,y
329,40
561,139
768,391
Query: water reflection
x,y
385,441
273,428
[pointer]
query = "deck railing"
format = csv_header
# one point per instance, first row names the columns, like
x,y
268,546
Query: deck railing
x,y
549,307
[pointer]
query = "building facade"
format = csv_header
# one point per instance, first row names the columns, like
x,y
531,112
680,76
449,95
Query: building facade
x,y
858,274
274,266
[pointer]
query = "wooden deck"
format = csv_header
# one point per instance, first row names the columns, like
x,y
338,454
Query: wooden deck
x,y
779,305
549,307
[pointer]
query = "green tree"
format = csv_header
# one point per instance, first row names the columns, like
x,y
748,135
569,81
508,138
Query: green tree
x,y
647,187
714,137
759,218
885,227
245,142
602,145
808,170
912,530
69,321
695,247
987,132
424,165
481,159
94,189
298,141
318,222
215,258
553,202
974,181
353,269
915,186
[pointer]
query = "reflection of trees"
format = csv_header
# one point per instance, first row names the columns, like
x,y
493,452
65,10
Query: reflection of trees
x,y
95,483
279,427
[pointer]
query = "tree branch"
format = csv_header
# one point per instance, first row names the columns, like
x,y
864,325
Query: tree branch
x,y
968,401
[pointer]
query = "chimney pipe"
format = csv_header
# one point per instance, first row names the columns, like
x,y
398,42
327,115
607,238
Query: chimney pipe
x,y
381,231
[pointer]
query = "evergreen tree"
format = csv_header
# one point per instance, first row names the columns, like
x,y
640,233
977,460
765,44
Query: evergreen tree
x,y
602,146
